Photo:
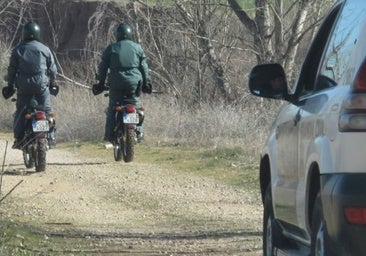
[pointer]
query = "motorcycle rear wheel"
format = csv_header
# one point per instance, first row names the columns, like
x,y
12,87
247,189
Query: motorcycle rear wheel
x,y
128,147
28,157
41,155
117,150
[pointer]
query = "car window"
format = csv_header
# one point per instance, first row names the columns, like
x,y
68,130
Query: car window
x,y
340,46
309,70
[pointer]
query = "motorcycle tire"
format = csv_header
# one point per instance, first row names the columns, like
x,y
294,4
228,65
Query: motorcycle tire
x,y
41,155
28,157
128,148
117,150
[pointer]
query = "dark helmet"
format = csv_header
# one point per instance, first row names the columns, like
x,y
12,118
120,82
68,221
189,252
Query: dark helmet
x,y
124,31
31,31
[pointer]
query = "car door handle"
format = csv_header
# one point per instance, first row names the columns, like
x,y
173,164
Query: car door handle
x,y
297,118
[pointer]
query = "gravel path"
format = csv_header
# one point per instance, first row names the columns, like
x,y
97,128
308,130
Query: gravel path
x,y
134,208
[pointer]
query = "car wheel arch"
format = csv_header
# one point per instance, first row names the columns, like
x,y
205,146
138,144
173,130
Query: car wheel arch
x,y
313,188
264,175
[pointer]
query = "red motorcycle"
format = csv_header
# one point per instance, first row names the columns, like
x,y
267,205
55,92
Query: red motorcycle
x,y
126,131
128,124
39,136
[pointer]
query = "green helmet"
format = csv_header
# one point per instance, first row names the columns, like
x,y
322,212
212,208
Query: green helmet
x,y
31,31
124,31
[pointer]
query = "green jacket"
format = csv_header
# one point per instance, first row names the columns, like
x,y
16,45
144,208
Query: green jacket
x,y
126,62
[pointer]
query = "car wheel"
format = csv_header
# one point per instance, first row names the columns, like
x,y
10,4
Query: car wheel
x,y
272,235
319,234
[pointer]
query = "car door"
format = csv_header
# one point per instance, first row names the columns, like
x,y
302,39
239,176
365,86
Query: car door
x,y
295,129
287,159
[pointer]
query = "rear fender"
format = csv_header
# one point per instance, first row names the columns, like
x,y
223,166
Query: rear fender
x,y
268,165
319,160
131,127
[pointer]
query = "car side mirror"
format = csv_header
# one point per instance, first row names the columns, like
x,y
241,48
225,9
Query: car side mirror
x,y
268,81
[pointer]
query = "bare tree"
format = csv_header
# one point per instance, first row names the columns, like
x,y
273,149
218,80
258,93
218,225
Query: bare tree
x,y
277,28
198,50
191,44
11,15
198,17
272,32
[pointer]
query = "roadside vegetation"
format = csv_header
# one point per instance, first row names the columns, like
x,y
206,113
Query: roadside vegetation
x,y
22,240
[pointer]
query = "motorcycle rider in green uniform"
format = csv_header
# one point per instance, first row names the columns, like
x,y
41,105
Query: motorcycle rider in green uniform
x,y
128,75
32,71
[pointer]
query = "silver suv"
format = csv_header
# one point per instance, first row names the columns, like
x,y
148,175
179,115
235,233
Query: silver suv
x,y
313,164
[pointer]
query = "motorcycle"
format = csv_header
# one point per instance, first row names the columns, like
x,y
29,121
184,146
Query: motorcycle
x,y
127,132
128,124
39,136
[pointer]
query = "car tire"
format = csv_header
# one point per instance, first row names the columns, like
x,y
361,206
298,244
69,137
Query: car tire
x,y
272,235
319,235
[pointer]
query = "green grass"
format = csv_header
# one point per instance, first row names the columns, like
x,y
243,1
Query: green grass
x,y
232,166
21,240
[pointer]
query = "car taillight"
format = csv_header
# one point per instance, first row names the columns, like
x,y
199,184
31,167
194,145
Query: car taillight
x,y
353,113
355,215
40,115
130,109
360,81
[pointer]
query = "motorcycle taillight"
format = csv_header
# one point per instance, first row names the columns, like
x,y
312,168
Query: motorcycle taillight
x,y
40,115
130,109
118,108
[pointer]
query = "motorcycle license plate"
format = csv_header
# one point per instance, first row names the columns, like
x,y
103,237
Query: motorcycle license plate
x,y
132,118
40,126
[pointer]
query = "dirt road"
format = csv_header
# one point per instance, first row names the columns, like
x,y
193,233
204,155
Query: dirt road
x,y
131,209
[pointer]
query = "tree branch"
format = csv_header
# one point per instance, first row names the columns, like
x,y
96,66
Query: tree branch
x,y
243,16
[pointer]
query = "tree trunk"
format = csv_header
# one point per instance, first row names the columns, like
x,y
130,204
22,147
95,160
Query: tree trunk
x,y
275,43
293,43
198,19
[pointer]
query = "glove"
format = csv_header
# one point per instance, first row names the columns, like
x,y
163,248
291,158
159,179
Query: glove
x,y
54,88
147,88
8,91
98,88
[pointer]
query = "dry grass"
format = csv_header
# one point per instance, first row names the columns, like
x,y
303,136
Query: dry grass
x,y
81,116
